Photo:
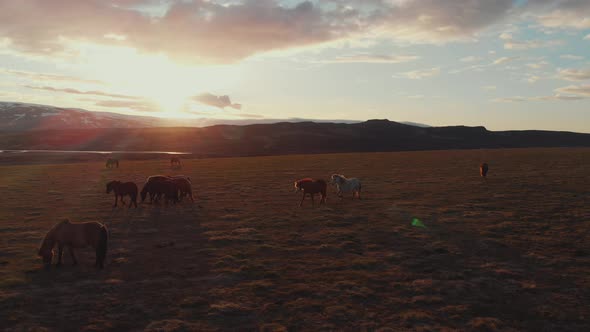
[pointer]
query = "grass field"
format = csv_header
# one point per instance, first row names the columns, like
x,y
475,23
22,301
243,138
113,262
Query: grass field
x,y
509,253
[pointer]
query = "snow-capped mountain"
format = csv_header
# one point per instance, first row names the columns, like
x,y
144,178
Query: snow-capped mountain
x,y
22,117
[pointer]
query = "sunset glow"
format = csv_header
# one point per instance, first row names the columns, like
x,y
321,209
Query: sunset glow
x,y
503,64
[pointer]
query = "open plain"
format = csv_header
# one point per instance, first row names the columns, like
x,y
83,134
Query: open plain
x,y
508,253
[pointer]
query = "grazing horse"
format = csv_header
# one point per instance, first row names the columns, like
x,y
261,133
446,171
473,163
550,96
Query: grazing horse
x,y
112,162
75,235
175,161
344,185
159,188
184,187
312,187
483,170
123,189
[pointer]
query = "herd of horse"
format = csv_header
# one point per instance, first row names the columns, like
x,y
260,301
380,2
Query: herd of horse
x,y
172,189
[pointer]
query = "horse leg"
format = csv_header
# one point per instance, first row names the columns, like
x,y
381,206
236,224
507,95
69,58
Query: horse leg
x,y
116,200
60,251
74,260
302,199
312,200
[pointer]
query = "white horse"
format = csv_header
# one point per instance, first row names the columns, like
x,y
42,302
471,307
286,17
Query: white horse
x,y
344,185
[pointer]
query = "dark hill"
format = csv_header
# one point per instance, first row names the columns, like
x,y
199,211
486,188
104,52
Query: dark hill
x,y
288,138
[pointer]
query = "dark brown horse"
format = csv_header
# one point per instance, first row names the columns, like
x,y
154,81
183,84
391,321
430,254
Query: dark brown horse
x,y
123,189
112,162
175,162
483,170
75,235
166,188
312,187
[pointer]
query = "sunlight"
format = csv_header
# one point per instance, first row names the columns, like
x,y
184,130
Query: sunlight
x,y
156,78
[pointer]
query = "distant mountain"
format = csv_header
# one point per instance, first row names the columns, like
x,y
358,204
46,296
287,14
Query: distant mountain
x,y
23,117
288,138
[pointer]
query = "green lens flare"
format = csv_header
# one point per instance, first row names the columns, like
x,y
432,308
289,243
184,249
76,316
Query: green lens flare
x,y
417,223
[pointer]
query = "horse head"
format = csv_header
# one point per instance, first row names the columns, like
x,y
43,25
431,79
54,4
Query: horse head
x,y
336,179
111,186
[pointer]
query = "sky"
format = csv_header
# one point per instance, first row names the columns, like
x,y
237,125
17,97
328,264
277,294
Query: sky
x,y
502,64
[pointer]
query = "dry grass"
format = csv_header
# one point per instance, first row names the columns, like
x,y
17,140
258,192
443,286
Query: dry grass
x,y
511,253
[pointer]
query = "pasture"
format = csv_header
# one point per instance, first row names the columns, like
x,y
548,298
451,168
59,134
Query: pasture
x,y
508,253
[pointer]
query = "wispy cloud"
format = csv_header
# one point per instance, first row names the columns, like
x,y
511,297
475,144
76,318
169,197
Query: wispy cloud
x,y
471,59
574,74
79,92
580,90
419,74
531,44
571,57
47,77
373,58
139,105
504,60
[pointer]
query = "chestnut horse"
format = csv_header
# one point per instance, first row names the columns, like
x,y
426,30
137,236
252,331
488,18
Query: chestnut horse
x,y
75,235
123,189
312,187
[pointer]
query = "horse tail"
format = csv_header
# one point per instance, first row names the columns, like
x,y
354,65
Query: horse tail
x,y
101,250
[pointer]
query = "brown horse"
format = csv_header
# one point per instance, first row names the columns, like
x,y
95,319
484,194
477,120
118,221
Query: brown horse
x,y
112,162
75,235
123,189
184,187
175,162
483,170
312,187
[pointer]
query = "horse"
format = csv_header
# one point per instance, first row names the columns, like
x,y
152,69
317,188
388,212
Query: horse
x,y
312,187
344,185
123,189
184,187
483,170
175,161
158,188
75,235
112,162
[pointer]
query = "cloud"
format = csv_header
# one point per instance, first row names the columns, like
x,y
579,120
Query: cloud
x,y
373,58
531,44
489,87
420,74
537,65
571,57
141,106
574,74
227,31
47,77
574,14
516,99
78,92
471,59
556,97
216,101
587,37
506,36
504,60
579,90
